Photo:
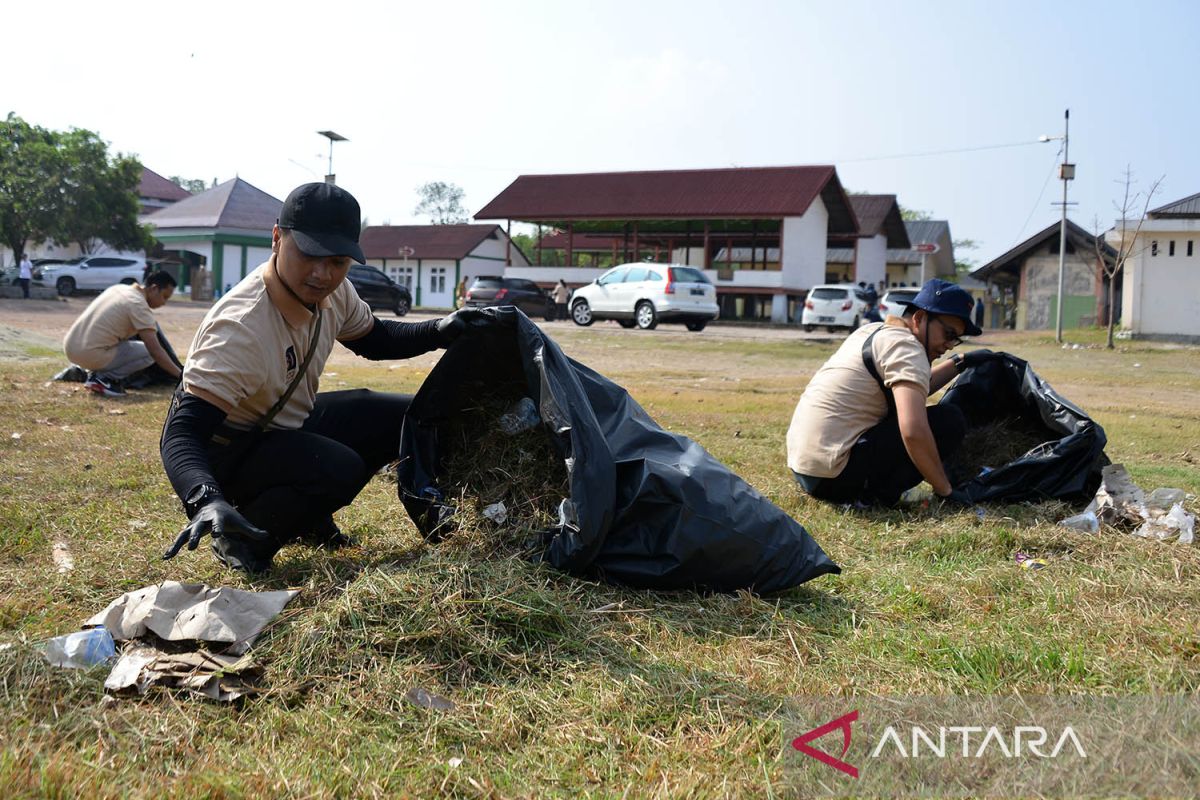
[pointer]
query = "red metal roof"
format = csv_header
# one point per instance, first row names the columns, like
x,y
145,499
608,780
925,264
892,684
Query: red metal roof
x,y
427,241
747,192
157,187
880,213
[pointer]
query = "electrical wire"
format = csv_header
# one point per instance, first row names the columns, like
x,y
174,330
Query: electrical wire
x,y
938,152
1038,202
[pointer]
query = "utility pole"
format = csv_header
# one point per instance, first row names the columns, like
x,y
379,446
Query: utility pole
x,y
1066,171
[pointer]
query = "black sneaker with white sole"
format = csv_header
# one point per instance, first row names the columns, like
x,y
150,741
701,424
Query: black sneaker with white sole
x,y
105,387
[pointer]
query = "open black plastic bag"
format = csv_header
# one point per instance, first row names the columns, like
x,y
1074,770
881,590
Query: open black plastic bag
x,y
1065,467
647,508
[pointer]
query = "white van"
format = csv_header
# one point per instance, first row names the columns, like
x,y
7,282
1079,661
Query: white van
x,y
834,305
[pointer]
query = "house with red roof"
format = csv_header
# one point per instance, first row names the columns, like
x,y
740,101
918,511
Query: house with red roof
x,y
783,217
431,260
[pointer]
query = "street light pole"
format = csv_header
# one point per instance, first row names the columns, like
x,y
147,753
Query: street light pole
x,y
332,137
1066,172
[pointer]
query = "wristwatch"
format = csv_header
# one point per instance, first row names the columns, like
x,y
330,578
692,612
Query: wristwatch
x,y
197,498
957,360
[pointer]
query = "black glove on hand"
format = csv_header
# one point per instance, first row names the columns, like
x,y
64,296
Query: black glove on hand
x,y
956,497
454,325
977,357
218,518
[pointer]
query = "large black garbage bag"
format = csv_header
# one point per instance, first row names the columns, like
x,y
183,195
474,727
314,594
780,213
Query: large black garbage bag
x,y
647,508
1066,466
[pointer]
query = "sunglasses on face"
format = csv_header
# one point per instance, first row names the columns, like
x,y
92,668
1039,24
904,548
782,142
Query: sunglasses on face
x,y
952,337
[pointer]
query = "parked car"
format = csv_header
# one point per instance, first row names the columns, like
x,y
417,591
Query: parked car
x,y
93,273
492,290
888,304
378,290
834,305
644,295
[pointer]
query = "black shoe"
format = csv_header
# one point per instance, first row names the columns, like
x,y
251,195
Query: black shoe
x,y
327,535
237,552
72,374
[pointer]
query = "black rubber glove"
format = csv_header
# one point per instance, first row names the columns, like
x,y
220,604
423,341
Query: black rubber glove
x,y
218,518
454,325
956,497
977,357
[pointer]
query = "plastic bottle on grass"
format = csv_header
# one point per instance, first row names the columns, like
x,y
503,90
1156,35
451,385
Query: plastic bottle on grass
x,y
81,649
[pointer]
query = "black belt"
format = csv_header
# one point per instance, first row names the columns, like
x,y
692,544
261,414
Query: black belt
x,y
226,435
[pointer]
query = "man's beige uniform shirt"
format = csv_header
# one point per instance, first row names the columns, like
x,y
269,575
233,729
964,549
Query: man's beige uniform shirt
x,y
116,315
843,401
252,342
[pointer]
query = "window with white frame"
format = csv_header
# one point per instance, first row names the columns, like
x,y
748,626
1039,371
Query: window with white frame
x,y
401,275
437,280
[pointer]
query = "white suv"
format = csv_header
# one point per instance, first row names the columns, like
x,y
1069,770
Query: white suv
x,y
94,272
834,305
644,295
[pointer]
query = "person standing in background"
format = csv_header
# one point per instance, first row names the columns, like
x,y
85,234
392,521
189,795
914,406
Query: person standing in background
x,y
25,275
561,295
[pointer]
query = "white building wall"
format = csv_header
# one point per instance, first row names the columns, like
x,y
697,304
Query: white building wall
x,y
871,260
1161,293
256,256
436,283
804,243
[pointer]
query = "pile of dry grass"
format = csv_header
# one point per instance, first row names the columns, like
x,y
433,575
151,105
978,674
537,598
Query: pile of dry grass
x,y
995,444
484,465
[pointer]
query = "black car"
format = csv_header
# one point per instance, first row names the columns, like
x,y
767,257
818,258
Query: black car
x,y
380,291
491,290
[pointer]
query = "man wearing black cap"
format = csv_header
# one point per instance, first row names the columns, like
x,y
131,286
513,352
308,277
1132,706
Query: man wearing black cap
x,y
257,456
861,431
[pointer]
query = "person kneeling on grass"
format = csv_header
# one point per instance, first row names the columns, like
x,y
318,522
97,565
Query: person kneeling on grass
x,y
116,335
861,431
257,456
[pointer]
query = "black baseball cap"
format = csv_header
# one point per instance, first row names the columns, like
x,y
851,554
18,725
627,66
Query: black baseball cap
x,y
945,298
324,220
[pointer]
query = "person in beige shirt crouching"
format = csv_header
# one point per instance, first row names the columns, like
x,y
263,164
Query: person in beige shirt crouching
x,y
116,335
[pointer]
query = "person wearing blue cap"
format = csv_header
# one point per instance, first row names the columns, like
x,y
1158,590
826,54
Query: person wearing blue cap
x,y
861,431
256,455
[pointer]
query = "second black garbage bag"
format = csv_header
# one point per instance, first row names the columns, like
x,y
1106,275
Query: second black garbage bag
x,y
1035,444
646,507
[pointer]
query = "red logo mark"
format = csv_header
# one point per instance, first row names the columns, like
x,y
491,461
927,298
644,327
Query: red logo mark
x,y
844,722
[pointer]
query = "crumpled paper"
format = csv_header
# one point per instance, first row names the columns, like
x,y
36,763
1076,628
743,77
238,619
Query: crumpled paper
x,y
185,611
1121,503
189,612
215,676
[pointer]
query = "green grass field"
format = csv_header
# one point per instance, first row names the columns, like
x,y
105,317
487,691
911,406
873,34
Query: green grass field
x,y
561,686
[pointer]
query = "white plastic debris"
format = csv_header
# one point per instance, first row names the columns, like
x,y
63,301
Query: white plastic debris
x,y
81,649
1121,503
1086,522
496,512
1176,525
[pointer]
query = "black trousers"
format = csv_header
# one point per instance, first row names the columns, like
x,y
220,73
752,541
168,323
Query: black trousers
x,y
24,287
288,482
879,469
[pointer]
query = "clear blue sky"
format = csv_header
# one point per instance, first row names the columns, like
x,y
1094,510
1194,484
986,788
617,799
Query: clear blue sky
x,y
477,93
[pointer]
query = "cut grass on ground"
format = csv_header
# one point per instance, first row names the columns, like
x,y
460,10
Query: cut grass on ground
x,y
561,686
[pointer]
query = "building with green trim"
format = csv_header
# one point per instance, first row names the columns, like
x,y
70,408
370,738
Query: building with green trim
x,y
431,260
226,231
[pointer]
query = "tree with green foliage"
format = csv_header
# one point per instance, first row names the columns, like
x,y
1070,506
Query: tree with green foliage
x,y
442,202
100,196
30,184
193,185
64,187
